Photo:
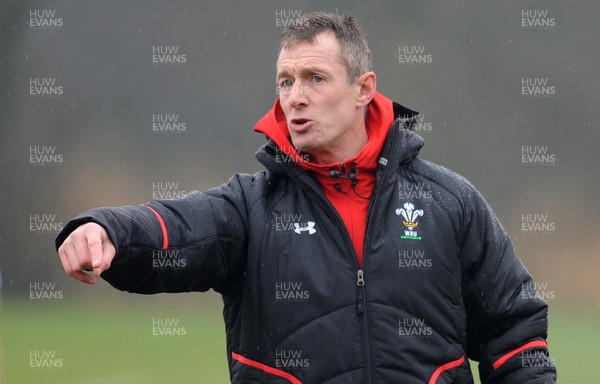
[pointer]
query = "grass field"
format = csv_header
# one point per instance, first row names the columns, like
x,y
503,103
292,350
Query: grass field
x,y
118,341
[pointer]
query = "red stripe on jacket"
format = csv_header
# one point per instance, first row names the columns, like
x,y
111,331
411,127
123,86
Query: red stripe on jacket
x,y
443,368
163,227
532,344
265,368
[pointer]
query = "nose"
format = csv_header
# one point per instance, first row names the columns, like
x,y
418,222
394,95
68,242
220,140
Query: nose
x,y
297,95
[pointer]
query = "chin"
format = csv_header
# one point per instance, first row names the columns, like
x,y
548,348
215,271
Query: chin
x,y
304,147
299,143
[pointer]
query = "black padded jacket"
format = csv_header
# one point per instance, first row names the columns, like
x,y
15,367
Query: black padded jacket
x,y
440,283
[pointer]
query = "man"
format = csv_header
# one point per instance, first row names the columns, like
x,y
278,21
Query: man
x,y
331,270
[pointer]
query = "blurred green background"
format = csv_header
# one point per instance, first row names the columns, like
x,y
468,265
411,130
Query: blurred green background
x,y
477,121
114,341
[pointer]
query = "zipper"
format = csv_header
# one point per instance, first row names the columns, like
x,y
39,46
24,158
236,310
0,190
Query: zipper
x,y
360,281
361,277
361,309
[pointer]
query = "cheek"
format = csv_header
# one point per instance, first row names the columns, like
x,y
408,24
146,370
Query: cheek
x,y
341,113
342,100
284,105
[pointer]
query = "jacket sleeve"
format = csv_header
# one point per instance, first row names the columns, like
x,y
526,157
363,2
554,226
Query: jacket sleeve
x,y
193,243
507,320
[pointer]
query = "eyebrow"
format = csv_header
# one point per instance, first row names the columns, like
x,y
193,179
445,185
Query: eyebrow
x,y
303,72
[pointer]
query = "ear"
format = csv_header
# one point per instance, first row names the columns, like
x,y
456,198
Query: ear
x,y
367,85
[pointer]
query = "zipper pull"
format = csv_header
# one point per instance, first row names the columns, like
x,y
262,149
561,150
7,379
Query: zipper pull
x,y
361,278
359,300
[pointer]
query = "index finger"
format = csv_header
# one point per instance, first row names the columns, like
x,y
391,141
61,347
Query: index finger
x,y
94,244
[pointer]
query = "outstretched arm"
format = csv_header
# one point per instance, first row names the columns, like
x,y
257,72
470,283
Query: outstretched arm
x,y
193,243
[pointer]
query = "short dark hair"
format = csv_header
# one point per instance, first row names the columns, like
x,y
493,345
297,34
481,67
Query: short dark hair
x,y
356,54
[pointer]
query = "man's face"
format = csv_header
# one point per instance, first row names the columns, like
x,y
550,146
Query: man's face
x,y
320,106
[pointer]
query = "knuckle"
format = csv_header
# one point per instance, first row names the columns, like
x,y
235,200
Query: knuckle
x,y
74,238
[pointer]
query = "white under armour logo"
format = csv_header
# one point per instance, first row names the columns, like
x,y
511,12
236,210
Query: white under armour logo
x,y
301,227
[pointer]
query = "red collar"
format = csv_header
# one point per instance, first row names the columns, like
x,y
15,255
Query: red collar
x,y
380,117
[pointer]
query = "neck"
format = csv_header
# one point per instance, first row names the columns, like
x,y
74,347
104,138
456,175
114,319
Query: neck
x,y
347,148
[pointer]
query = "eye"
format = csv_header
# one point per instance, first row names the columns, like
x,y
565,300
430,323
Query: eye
x,y
318,79
286,83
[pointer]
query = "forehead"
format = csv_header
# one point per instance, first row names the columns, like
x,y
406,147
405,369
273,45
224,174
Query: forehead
x,y
324,51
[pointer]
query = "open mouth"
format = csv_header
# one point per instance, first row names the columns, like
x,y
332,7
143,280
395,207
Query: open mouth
x,y
300,125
